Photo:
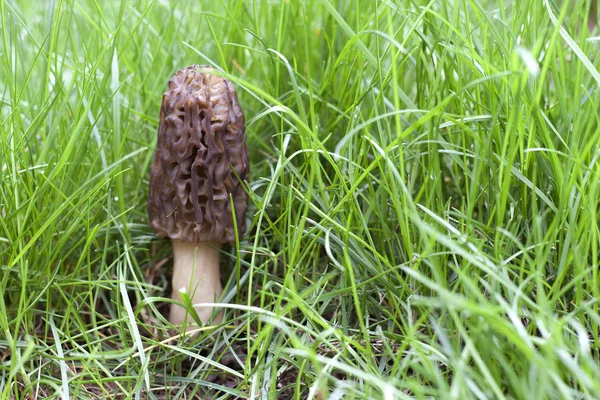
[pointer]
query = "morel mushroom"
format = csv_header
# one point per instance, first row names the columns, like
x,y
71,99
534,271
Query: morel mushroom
x,y
200,160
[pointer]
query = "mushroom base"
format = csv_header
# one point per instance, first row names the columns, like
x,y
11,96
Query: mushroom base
x,y
196,270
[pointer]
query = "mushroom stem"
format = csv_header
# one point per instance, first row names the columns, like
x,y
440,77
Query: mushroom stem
x,y
196,269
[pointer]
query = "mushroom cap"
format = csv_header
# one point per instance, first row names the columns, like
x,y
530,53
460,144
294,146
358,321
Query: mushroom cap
x,y
201,158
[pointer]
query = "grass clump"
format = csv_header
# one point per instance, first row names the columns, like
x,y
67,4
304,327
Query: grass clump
x,y
424,200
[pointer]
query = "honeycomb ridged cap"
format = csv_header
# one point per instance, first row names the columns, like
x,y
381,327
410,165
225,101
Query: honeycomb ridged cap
x,y
201,158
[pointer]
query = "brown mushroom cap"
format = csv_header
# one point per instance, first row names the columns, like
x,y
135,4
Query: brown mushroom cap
x,y
201,146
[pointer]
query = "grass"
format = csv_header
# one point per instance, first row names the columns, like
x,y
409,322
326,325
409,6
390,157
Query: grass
x,y
424,200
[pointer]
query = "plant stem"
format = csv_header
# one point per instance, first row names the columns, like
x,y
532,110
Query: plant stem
x,y
197,269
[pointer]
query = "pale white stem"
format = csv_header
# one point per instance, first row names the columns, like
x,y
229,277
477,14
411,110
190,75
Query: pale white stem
x,y
196,270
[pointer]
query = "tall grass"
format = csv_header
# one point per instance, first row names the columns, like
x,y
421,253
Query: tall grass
x,y
424,200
